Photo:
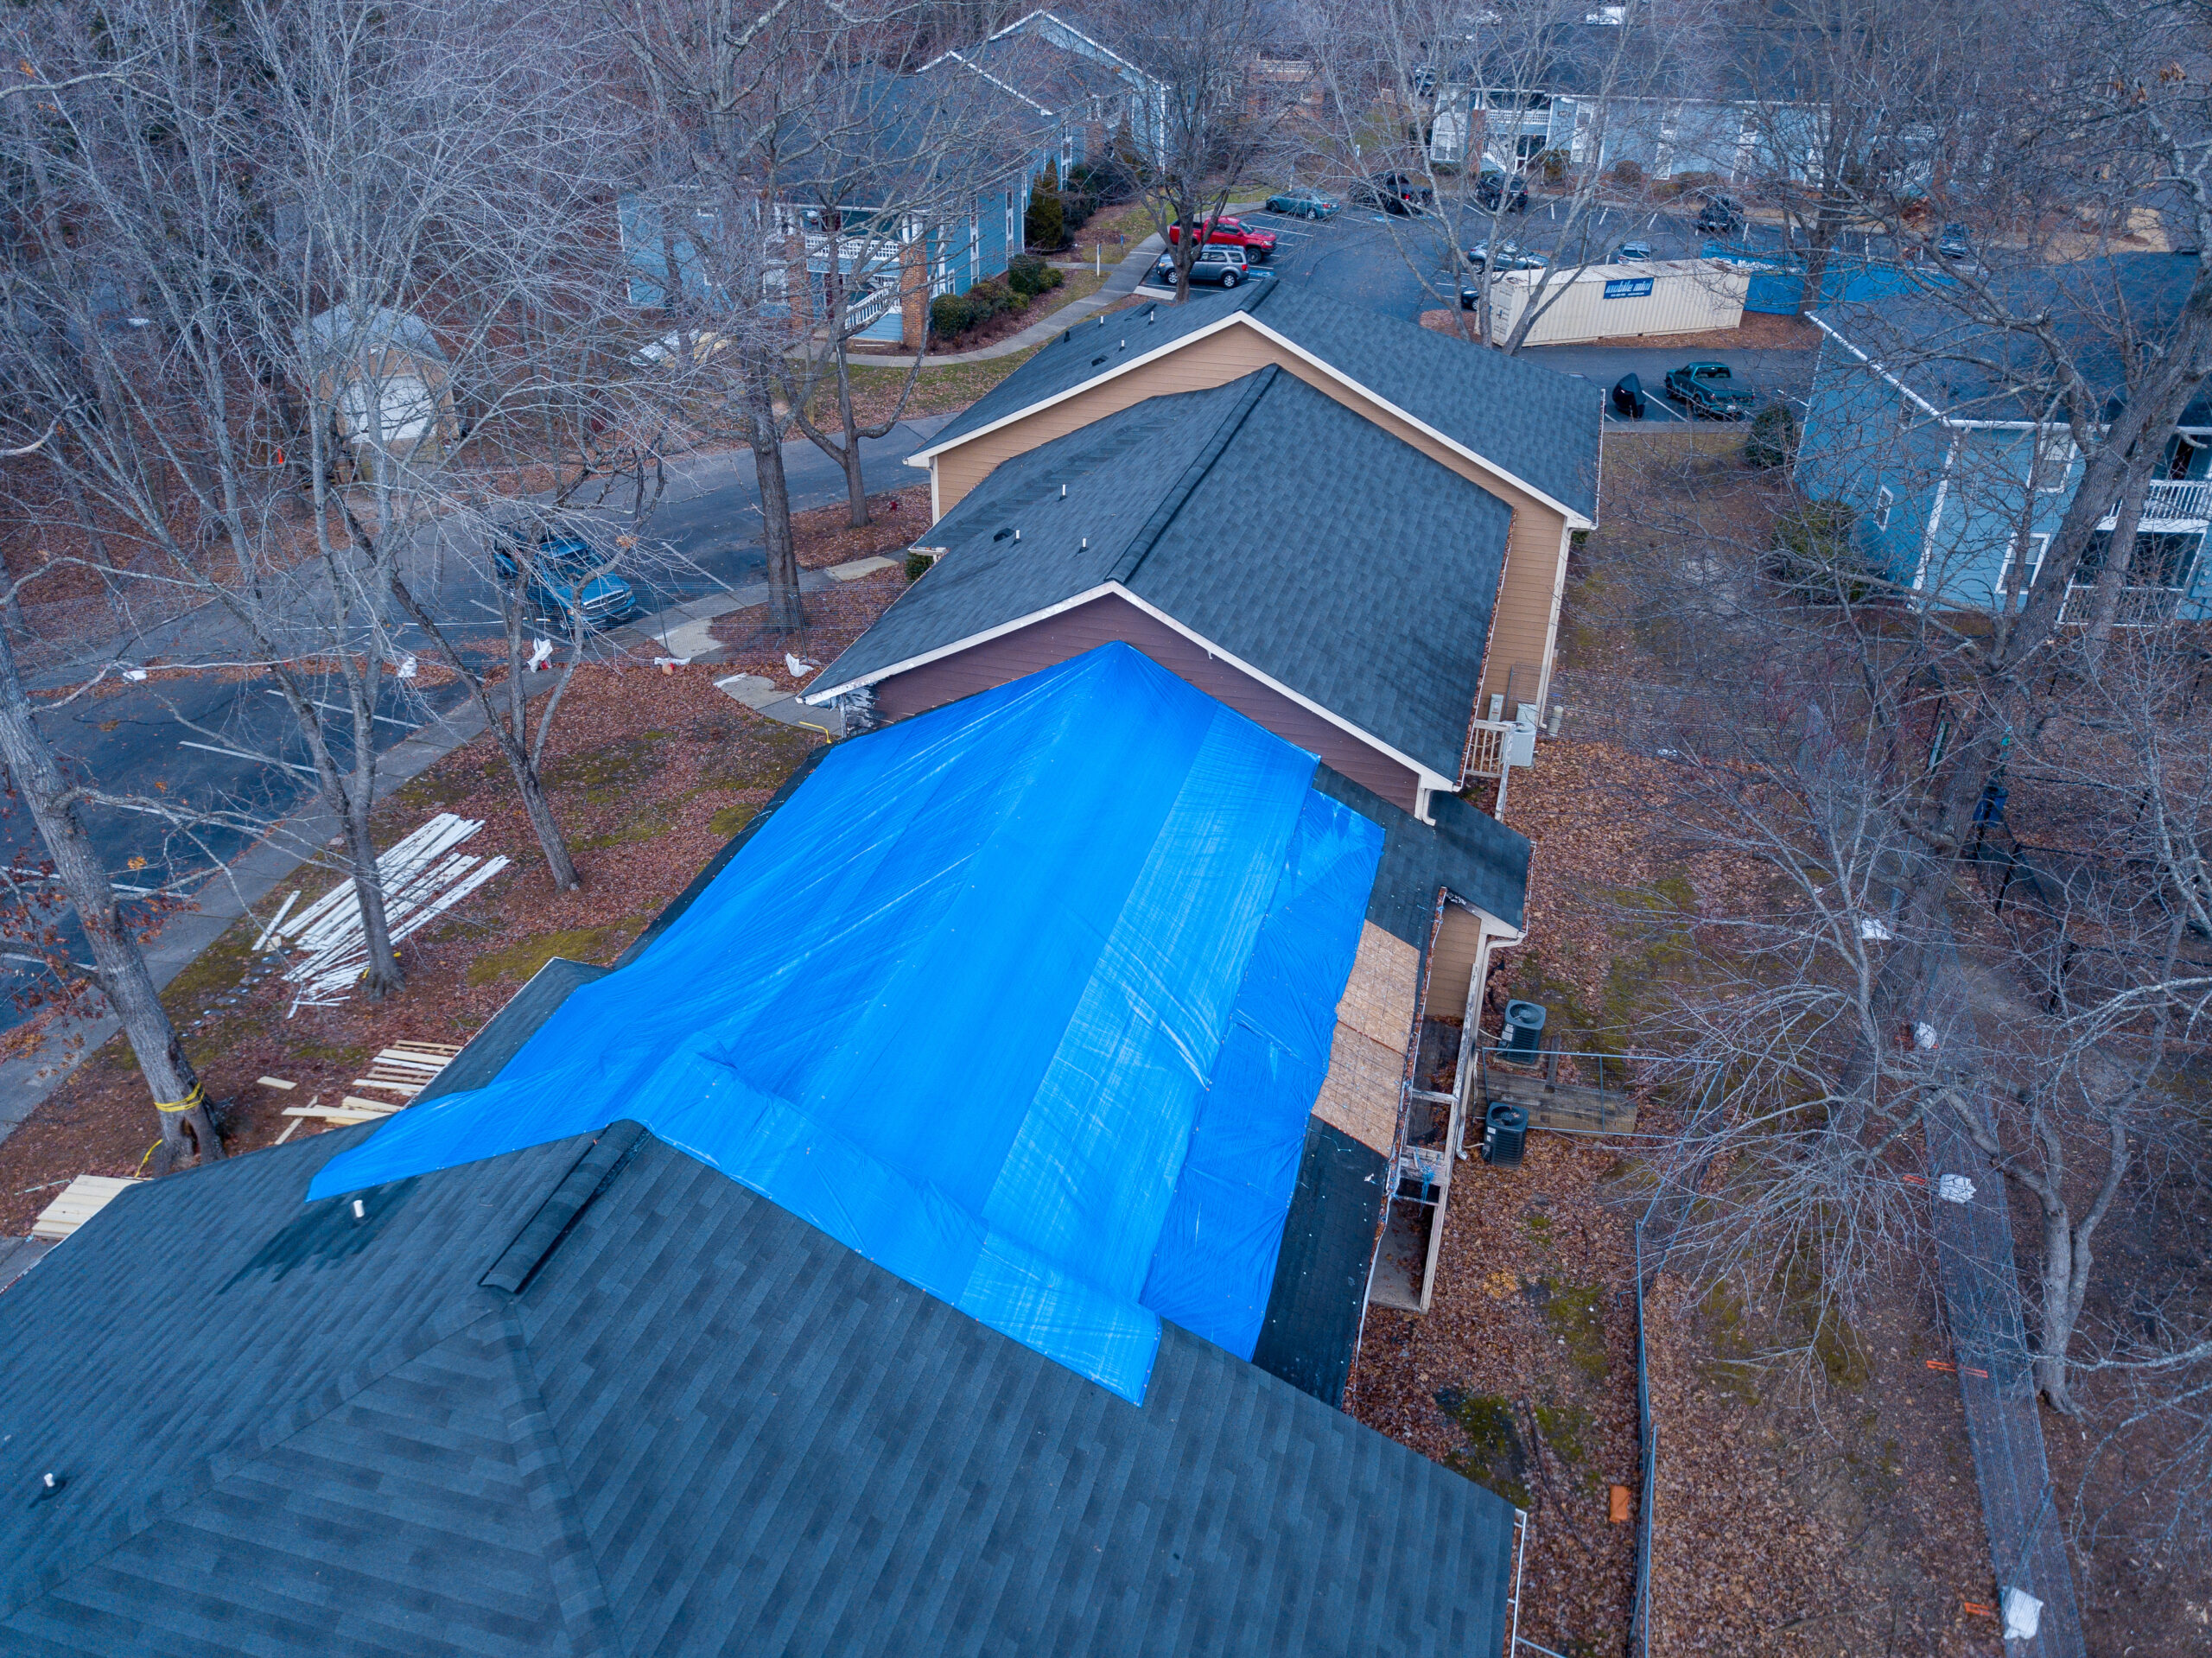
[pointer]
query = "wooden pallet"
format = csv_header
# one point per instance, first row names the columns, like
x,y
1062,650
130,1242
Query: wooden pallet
x,y
1563,1108
86,1195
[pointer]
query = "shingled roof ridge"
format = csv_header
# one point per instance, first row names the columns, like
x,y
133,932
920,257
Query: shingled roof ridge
x,y
1146,539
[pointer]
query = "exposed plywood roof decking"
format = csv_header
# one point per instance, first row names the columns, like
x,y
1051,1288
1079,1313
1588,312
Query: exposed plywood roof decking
x,y
1367,1058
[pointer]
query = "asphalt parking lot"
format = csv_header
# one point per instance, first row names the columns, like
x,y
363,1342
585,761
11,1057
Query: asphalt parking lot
x,y
1361,259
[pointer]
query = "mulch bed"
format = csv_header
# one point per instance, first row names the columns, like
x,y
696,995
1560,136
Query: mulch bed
x,y
649,774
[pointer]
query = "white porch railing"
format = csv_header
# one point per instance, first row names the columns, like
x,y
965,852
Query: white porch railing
x,y
2175,501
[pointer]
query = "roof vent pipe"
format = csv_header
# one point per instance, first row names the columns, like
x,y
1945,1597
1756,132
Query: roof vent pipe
x,y
1064,492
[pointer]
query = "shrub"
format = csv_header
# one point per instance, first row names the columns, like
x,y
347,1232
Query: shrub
x,y
1045,223
1627,173
1773,440
1817,556
953,314
916,564
1552,163
1028,274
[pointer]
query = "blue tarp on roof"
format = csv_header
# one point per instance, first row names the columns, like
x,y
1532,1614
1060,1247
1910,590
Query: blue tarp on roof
x,y
1025,1000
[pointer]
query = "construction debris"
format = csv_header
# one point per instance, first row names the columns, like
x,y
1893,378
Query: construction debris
x,y
87,1195
424,877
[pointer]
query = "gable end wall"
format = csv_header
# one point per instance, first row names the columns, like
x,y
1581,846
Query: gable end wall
x,y
1527,620
1056,639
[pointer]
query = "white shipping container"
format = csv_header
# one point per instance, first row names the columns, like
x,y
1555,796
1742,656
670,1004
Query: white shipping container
x,y
1654,298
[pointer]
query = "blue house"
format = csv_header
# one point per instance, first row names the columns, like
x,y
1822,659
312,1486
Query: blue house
x,y
1949,444
894,218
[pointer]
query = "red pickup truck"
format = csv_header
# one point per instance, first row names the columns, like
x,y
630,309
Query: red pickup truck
x,y
1232,232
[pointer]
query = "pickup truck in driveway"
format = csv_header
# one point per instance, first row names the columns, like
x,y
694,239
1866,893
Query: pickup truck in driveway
x,y
1709,388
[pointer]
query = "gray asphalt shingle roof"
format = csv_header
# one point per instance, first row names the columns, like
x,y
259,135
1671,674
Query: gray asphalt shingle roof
x,y
1365,584
597,1398
2099,309
1466,850
1536,424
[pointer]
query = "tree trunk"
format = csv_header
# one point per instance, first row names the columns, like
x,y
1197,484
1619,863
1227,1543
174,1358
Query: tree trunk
x,y
850,456
2059,1309
2120,556
383,976
512,734
187,1130
764,432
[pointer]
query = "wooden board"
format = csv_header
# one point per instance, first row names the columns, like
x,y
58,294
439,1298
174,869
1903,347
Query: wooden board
x,y
86,1197
1562,1107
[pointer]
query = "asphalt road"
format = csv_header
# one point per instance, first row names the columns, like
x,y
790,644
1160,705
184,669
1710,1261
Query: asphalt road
x,y
203,743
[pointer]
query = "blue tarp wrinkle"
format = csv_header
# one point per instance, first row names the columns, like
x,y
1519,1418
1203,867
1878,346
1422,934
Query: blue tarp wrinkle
x,y
1025,1000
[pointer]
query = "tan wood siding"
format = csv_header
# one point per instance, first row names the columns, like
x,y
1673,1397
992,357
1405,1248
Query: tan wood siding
x,y
1522,630
1452,963
1071,632
1522,634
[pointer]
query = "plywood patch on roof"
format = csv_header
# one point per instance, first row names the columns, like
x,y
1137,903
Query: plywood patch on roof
x,y
1378,999
1367,1058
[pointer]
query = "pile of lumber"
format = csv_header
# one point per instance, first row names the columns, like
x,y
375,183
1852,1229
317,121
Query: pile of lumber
x,y
404,1069
422,876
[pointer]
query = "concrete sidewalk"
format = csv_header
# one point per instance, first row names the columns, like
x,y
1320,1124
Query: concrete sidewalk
x,y
1120,281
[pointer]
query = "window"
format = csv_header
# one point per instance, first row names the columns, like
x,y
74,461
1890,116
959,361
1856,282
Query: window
x,y
2037,546
2054,459
1884,498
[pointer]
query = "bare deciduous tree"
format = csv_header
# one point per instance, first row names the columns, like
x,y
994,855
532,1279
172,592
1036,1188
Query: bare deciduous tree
x,y
302,261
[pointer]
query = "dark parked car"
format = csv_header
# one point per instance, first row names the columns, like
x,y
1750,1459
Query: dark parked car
x,y
1632,253
1709,388
1628,398
1493,187
566,577
1395,193
1720,216
1303,204
1510,256
1953,244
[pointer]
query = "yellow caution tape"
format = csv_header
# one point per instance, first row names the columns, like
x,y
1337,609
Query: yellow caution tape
x,y
198,1096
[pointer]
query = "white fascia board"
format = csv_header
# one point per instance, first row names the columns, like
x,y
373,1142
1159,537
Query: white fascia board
x,y
1059,21
1926,407
918,461
924,455
1431,779
1010,91
821,694
1575,520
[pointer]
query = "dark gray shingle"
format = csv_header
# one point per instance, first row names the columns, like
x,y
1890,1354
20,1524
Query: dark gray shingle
x,y
1541,426
1366,584
702,1426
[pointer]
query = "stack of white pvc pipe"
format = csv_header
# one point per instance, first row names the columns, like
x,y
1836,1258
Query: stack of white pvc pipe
x,y
423,878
